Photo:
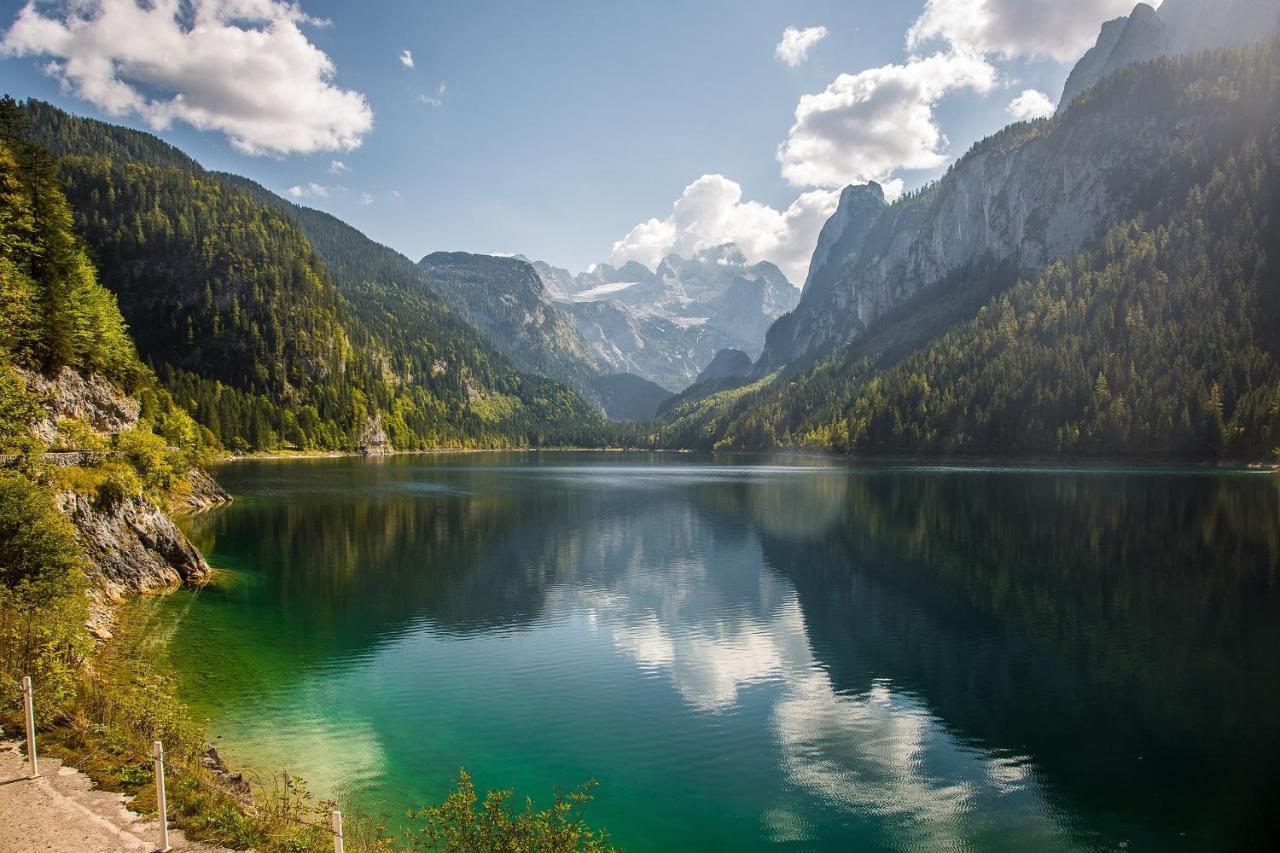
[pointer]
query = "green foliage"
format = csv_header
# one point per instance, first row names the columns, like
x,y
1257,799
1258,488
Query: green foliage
x,y
275,326
464,825
77,434
42,603
159,466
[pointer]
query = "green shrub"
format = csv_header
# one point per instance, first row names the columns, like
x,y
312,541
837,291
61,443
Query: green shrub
x,y
458,826
78,434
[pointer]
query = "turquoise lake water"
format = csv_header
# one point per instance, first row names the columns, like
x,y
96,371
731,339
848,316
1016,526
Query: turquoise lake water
x,y
750,655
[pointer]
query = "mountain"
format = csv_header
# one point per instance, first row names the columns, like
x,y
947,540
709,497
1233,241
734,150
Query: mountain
x,y
728,364
270,339
1017,200
667,324
627,397
505,299
1095,284
1179,26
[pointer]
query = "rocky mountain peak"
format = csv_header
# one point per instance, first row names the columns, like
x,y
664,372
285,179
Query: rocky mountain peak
x,y
1180,26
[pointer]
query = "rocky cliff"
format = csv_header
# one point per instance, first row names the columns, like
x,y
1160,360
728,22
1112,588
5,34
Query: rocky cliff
x,y
131,542
1179,26
1023,197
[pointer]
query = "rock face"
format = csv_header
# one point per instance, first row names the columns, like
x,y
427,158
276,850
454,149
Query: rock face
x,y
132,545
1180,26
373,438
88,397
630,341
666,324
508,302
1021,198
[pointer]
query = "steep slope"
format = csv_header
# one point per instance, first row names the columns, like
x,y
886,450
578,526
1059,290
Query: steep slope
x,y
266,341
1162,338
656,348
71,381
667,324
504,298
1021,198
627,397
1178,26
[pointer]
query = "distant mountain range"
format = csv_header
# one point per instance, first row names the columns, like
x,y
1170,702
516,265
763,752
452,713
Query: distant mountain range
x,y
667,324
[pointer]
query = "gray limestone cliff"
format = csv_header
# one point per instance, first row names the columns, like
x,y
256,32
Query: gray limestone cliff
x,y
1030,194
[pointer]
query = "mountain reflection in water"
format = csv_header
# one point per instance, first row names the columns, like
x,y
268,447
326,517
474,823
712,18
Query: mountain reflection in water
x,y
749,654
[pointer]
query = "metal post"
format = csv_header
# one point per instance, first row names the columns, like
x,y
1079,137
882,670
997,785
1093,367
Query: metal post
x,y
29,705
337,831
161,804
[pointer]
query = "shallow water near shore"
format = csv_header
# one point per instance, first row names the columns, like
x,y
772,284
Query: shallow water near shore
x,y
753,653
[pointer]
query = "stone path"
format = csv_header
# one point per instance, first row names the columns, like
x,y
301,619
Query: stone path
x,y
62,811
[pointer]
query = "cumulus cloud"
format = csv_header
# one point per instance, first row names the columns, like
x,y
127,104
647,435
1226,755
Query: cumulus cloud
x,y
241,67
366,198
406,59
309,190
711,212
337,167
795,44
1058,29
1031,104
868,125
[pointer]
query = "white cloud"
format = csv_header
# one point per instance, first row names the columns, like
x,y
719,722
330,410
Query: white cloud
x,y
337,167
406,59
795,44
711,212
309,190
366,198
1031,104
435,100
241,67
868,125
1058,29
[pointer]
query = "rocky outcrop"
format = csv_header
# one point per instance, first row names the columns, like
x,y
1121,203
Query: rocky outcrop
x,y
83,396
1179,26
1141,37
374,440
204,493
132,545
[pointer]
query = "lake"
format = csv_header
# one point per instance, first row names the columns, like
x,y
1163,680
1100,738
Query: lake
x,y
754,653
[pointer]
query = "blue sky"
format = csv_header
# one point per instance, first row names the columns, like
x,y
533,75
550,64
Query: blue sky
x,y
555,129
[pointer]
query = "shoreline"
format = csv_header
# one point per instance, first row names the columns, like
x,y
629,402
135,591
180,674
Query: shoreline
x,y
851,460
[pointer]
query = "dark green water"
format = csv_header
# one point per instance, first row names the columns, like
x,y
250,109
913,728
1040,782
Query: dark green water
x,y
750,655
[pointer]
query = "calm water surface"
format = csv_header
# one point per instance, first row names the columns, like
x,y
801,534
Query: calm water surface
x,y
753,656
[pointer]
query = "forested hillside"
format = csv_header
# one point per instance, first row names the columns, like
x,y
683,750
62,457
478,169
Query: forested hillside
x,y
267,342
1161,338
55,316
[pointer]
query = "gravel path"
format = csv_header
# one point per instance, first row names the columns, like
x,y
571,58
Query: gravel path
x,y
62,811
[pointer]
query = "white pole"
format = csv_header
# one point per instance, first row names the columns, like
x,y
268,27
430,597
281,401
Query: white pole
x,y
29,705
337,831
161,804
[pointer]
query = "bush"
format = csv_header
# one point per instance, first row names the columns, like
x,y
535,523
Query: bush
x,y
159,467
42,602
457,826
78,434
